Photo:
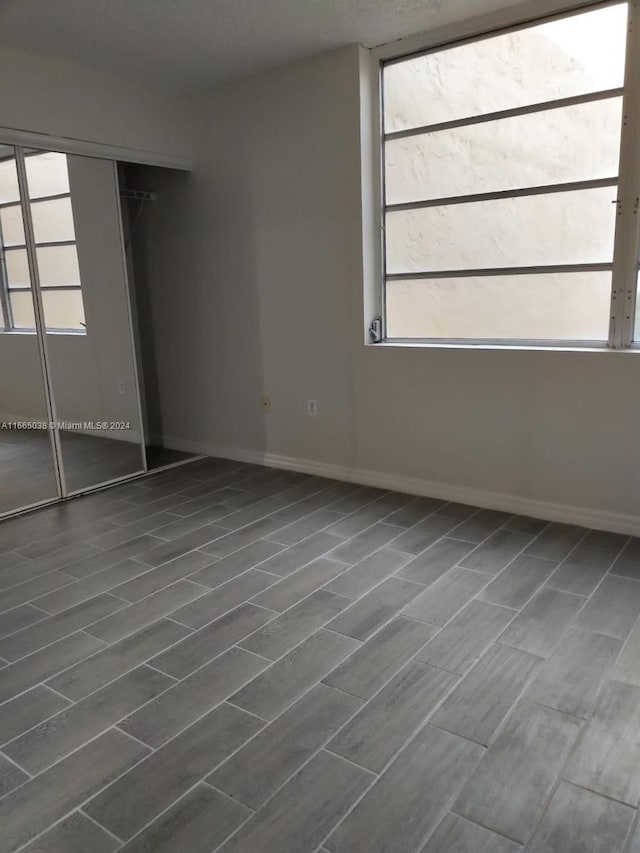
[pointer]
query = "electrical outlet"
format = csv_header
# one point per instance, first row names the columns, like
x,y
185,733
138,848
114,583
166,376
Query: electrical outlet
x,y
312,408
122,388
266,403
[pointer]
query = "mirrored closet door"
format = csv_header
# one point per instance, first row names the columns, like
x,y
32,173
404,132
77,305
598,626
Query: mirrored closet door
x,y
69,378
28,471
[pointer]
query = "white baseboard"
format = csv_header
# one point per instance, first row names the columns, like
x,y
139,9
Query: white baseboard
x,y
547,510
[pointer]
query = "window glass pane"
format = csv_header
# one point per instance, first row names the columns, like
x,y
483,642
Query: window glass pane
x,y
22,310
47,174
558,59
17,268
52,220
63,309
8,177
12,226
559,228
58,266
576,143
559,306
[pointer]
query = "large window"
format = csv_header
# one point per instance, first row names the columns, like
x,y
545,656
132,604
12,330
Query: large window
x,y
503,219
54,242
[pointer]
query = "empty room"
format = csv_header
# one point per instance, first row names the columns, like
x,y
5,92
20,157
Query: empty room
x,y
319,426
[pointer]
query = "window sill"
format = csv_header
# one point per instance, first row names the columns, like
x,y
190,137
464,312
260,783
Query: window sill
x,y
73,333
509,346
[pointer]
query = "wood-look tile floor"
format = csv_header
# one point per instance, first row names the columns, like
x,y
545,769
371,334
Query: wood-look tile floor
x,y
224,657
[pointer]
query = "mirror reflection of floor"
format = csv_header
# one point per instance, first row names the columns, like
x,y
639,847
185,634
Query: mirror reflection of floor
x,y
93,459
27,473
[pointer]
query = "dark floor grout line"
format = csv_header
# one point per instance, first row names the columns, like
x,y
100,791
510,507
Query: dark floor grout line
x,y
228,701
149,666
95,823
350,761
522,846
19,766
248,651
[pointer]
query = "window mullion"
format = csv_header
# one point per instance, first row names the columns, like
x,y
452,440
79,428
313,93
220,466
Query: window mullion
x,y
627,237
5,302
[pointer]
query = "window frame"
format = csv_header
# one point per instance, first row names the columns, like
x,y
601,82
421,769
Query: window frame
x,y
625,263
8,327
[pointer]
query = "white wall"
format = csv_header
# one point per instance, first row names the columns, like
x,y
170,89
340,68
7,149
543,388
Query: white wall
x,y
256,265
47,96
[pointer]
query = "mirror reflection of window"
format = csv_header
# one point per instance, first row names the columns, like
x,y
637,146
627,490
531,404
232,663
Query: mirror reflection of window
x,y
54,235
55,243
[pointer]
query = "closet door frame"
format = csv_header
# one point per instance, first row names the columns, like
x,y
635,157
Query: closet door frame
x,y
38,310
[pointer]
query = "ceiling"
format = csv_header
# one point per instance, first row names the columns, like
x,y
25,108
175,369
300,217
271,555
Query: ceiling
x,y
189,45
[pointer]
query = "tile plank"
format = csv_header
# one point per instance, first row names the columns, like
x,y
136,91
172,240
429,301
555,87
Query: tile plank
x,y
406,803
369,613
74,726
88,675
356,549
443,599
299,815
480,525
75,834
374,663
291,676
542,623
394,714
585,566
189,699
457,835
224,598
27,710
296,556
257,770
508,790
210,641
516,584
578,821
607,758
299,585
459,645
556,542
155,579
482,700
368,573
422,535
45,799
39,666
79,591
496,552
197,823
613,608
137,797
569,681
54,628
288,630
11,777
436,561
627,564
133,617
235,563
